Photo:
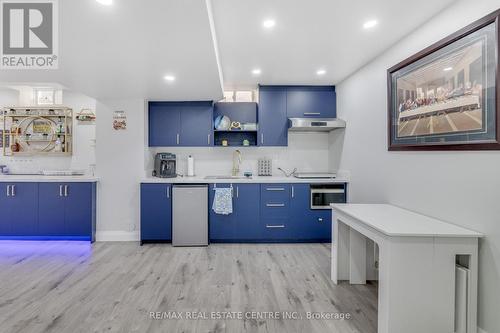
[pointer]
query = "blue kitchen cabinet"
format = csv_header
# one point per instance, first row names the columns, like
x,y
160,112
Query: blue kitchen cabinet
x,y
275,212
307,224
51,209
78,209
242,225
67,210
18,204
196,125
183,124
273,121
156,213
311,102
164,124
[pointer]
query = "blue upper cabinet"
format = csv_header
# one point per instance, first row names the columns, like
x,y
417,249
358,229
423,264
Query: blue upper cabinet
x,y
196,125
273,122
164,124
311,102
184,124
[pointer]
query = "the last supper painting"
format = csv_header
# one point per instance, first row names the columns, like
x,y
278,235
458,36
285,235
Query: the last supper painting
x,y
446,96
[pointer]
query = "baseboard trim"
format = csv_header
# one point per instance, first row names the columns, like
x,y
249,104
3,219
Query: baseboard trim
x,y
117,236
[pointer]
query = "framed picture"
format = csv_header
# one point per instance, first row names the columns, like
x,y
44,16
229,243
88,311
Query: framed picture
x,y
446,97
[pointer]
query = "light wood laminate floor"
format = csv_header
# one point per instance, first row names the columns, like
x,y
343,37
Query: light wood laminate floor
x,y
113,287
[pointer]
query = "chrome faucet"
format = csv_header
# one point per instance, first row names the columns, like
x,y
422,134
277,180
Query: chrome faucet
x,y
236,162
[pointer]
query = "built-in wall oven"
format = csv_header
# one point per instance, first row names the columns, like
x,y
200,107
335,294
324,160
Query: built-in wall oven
x,y
322,195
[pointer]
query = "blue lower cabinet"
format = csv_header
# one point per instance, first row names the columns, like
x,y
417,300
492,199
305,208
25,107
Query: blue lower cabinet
x,y
51,209
18,204
67,210
156,213
242,225
275,212
78,209
307,224
48,211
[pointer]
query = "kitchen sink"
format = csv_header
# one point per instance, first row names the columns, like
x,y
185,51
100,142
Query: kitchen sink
x,y
227,177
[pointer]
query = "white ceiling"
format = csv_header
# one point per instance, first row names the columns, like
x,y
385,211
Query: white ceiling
x,y
124,50
309,35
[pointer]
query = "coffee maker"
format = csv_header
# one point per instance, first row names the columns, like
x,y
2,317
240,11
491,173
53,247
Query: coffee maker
x,y
165,165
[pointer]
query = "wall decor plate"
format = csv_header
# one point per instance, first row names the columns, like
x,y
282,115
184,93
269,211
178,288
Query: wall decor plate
x,y
446,97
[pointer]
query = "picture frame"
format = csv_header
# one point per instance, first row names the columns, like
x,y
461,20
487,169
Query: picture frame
x,y
446,97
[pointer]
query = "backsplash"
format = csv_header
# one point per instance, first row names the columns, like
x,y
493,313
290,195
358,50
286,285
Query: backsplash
x,y
307,152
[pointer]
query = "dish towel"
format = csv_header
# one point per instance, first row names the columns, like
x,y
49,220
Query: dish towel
x,y
223,201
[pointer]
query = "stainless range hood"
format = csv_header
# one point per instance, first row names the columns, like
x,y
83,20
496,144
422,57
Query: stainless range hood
x,y
314,124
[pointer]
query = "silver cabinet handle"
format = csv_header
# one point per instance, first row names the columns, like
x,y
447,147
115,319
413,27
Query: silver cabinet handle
x,y
311,113
65,190
275,205
275,225
275,189
177,138
13,190
168,192
237,191
293,192
60,190
208,139
8,190
262,138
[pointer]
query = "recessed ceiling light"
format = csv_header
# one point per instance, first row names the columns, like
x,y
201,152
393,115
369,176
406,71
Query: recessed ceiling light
x,y
370,24
447,69
105,2
256,71
169,78
320,72
269,23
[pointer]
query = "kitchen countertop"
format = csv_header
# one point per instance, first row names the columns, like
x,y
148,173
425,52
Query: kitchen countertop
x,y
49,179
253,180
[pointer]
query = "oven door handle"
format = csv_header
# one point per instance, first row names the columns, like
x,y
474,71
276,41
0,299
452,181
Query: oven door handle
x,y
313,191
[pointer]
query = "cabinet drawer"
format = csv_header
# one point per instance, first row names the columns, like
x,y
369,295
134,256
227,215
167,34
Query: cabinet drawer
x,y
275,193
274,209
275,229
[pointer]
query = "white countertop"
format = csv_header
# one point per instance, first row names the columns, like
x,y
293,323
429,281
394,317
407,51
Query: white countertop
x,y
394,221
49,179
254,179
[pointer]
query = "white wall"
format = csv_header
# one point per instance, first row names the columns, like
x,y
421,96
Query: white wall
x,y
305,151
459,187
120,167
83,135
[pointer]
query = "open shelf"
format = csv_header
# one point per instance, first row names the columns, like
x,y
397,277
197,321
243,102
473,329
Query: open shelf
x,y
242,112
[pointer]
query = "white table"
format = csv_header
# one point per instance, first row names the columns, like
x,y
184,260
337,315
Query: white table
x,y
416,265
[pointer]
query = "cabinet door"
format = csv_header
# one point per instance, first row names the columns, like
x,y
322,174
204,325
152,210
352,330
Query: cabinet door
x,y
307,224
273,121
19,209
7,214
164,124
247,211
311,102
156,212
196,125
51,209
78,209
222,228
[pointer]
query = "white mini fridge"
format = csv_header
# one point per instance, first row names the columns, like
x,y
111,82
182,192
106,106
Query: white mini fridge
x,y
190,215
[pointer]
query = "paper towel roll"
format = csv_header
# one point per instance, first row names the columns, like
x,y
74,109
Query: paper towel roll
x,y
190,166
